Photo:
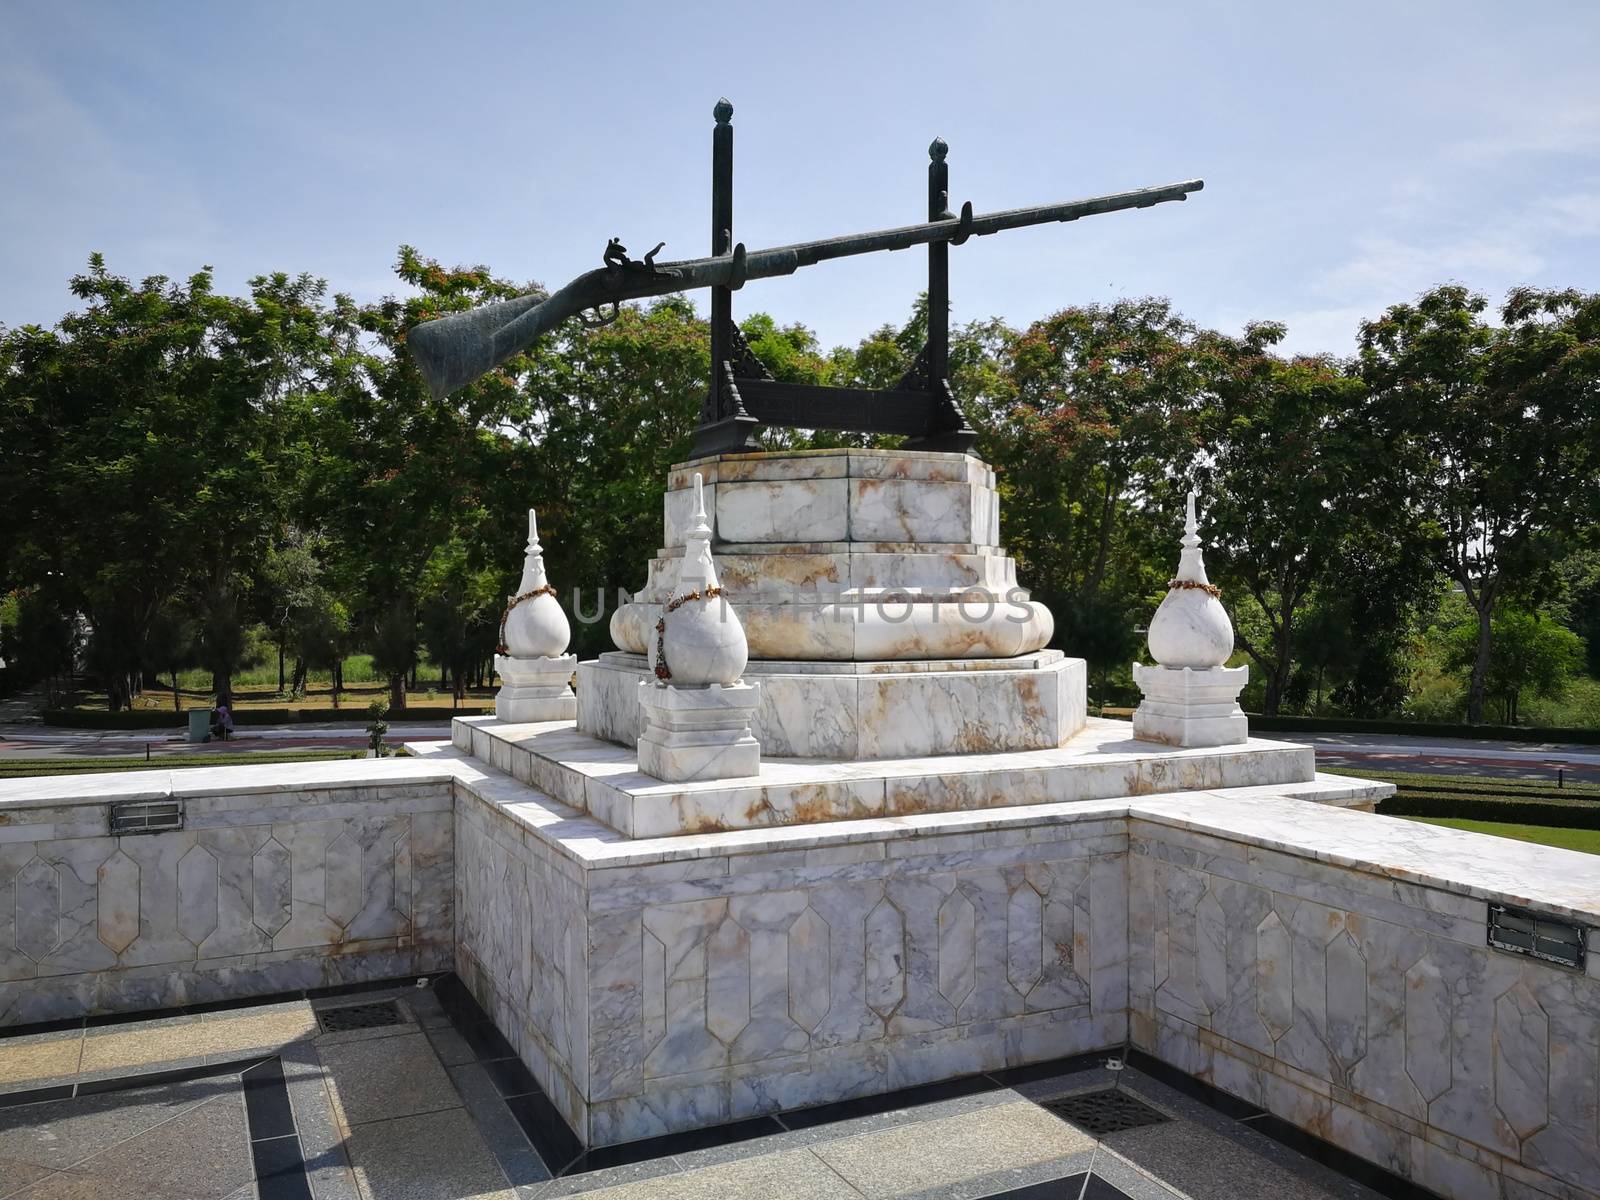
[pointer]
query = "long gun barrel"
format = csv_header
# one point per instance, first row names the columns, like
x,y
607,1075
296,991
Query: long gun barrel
x,y
454,350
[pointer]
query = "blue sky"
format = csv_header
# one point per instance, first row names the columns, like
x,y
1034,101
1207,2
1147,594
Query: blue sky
x,y
1353,153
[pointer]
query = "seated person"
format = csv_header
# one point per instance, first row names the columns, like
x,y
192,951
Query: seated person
x,y
221,723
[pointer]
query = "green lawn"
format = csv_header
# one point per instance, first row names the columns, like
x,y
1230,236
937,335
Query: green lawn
x,y
14,768
1587,840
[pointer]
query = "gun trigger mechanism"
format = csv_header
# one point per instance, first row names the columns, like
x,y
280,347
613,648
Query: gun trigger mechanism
x,y
597,317
964,225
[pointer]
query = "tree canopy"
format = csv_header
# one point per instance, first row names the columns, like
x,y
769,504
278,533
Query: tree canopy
x,y
192,479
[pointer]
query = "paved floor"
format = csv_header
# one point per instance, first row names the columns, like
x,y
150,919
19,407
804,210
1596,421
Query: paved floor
x,y
279,1100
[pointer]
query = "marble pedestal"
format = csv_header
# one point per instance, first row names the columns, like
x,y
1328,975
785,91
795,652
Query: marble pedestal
x,y
883,619
694,733
872,710
848,556
536,689
1183,706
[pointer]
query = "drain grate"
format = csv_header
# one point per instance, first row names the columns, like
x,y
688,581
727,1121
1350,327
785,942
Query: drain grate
x,y
359,1016
1109,1111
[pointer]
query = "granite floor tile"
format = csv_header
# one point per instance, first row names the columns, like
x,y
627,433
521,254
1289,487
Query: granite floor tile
x,y
449,1045
17,1176
610,1177
27,1061
894,1162
203,1153
429,1156
61,1133
424,1007
1137,1184
499,1129
239,1031
387,1078
792,1175
321,1142
1212,1165
1037,1181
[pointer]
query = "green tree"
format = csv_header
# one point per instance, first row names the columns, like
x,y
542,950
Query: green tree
x,y
1086,417
1531,654
1286,485
460,609
1490,437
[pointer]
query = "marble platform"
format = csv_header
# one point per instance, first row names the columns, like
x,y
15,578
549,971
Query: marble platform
x,y
1101,762
1326,964
872,710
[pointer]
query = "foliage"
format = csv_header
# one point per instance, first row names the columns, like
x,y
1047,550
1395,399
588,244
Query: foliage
x,y
377,726
1529,653
193,481
1491,438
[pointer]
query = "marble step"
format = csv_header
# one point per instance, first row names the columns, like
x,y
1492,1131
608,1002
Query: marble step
x,y
1100,763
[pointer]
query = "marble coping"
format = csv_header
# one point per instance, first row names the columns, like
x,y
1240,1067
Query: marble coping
x,y
101,788
1101,761
1564,883
833,463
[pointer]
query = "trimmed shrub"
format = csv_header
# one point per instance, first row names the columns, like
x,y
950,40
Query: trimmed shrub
x,y
142,718
1499,733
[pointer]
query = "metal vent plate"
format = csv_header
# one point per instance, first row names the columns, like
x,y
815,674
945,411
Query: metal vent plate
x,y
359,1016
1108,1111
1538,935
127,817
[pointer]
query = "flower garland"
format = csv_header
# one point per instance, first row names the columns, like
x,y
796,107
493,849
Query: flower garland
x,y
546,590
1195,585
662,671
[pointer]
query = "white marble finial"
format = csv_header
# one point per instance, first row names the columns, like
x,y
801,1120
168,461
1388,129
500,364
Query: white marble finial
x,y
700,526
533,575
536,633
1191,562
1191,628
699,568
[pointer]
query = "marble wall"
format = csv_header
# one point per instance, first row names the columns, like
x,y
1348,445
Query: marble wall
x,y
1368,1011
724,988
264,890
1327,965
520,945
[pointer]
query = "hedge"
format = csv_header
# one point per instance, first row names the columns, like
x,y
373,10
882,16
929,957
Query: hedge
x,y
28,768
159,718
1500,733
1483,808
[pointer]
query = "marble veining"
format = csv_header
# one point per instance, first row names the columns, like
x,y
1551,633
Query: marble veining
x,y
272,886
1327,964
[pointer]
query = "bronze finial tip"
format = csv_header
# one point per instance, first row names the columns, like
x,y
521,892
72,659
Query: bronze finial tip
x,y
723,111
937,149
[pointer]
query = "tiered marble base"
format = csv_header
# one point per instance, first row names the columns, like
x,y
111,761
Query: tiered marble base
x,y
870,710
697,732
849,556
1187,707
1100,762
536,689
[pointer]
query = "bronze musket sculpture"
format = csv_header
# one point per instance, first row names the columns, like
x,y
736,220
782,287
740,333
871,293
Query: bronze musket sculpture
x,y
453,350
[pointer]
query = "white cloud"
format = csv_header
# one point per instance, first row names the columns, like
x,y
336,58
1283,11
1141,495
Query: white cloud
x,y
1544,129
